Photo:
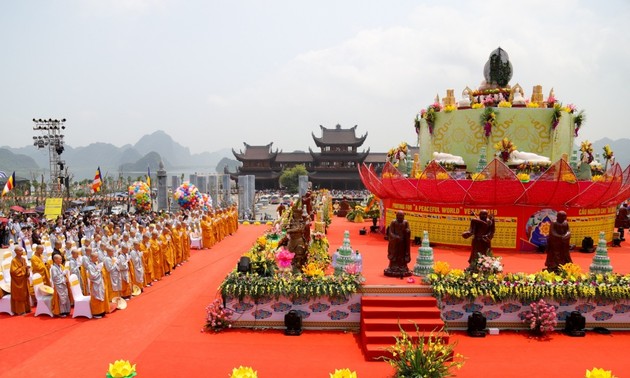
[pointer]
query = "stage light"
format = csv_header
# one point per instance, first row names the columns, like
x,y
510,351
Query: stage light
x,y
293,323
63,120
616,240
244,265
476,325
575,324
417,240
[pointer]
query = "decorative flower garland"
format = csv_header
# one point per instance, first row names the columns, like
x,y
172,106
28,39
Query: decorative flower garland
x,y
488,120
522,286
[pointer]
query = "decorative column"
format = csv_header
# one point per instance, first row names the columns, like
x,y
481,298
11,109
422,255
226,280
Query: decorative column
x,y
162,193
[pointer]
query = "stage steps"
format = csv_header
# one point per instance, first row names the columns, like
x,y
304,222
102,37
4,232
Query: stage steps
x,y
381,317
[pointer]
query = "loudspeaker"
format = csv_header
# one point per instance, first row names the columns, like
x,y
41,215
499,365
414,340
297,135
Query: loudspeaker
x,y
587,245
476,325
244,265
293,323
575,324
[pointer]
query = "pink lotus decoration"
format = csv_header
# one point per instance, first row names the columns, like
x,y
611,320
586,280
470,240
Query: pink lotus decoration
x,y
284,257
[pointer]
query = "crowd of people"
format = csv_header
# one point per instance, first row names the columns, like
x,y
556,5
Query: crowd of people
x,y
114,257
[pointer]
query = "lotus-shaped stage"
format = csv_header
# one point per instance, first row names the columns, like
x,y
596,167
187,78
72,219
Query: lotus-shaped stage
x,y
435,201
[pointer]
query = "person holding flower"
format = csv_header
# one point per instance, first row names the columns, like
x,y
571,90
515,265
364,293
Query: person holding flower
x,y
558,244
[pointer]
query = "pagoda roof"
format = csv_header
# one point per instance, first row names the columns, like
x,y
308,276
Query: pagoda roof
x,y
341,176
294,157
256,153
376,157
260,175
358,157
339,136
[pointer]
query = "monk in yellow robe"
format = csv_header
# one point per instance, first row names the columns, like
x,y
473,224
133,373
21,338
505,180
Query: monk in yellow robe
x,y
207,234
147,259
185,241
19,283
156,253
177,244
166,246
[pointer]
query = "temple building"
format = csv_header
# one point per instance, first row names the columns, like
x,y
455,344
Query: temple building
x,y
334,166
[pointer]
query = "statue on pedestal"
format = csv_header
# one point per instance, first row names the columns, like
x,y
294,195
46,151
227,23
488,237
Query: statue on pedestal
x,y
558,243
482,231
398,249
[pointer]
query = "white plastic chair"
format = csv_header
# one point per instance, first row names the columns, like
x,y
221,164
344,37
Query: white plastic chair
x,y
48,247
5,301
28,248
6,270
81,302
43,300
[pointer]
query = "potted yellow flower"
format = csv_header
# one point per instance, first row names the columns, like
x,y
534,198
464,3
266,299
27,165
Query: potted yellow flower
x,y
121,369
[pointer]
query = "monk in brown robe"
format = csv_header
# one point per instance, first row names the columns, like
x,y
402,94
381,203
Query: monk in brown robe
x,y
19,283
558,243
398,248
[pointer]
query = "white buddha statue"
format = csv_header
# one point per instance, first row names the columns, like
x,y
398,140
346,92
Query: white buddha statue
x,y
443,157
519,157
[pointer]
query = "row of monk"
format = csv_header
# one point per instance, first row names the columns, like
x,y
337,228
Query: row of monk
x,y
118,261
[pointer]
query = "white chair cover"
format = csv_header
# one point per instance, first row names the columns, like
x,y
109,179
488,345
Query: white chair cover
x,y
43,300
5,301
81,302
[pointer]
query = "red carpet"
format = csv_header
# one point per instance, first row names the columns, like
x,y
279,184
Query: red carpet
x,y
160,330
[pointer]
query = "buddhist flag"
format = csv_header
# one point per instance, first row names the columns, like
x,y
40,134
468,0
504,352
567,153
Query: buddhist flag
x,y
96,184
149,176
9,185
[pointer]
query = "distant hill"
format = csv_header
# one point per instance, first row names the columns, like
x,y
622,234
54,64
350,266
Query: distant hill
x,y
231,165
150,160
129,159
619,147
21,164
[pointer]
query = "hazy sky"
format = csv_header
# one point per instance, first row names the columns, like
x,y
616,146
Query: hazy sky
x,y
214,74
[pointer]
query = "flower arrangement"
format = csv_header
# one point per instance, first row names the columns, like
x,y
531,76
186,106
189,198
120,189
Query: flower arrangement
x,y
284,258
423,356
555,117
533,105
478,176
523,177
343,373
586,147
218,317
505,104
578,120
478,105
505,148
318,251
416,123
488,264
312,270
291,285
441,268
530,287
488,120
598,178
570,270
398,154
449,108
244,372
608,153
599,373
569,177
542,317
489,101
430,113
121,369
531,167
442,176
